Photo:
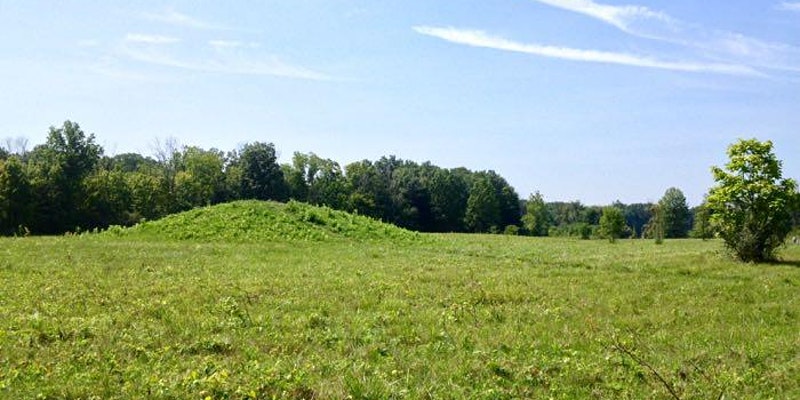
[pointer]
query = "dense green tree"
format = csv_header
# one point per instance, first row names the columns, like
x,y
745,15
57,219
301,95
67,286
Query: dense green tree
x,y
411,198
449,192
591,215
315,180
566,213
261,176
483,206
58,169
751,203
537,219
369,190
148,196
676,213
201,180
108,200
507,198
15,196
133,162
612,224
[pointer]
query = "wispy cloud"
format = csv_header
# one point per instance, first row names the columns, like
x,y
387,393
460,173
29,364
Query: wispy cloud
x,y
645,23
173,17
789,6
623,17
150,39
477,38
220,44
128,58
235,63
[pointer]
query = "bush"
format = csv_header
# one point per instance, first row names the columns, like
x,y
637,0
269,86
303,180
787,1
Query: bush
x,y
751,205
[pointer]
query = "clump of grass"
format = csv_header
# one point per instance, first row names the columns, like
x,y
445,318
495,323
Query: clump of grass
x,y
257,221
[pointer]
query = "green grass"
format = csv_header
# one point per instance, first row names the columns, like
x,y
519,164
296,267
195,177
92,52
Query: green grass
x,y
449,316
254,221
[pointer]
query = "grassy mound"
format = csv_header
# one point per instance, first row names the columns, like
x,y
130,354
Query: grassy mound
x,y
252,221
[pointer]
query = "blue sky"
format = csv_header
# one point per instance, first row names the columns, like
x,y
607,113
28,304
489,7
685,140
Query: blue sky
x,y
578,99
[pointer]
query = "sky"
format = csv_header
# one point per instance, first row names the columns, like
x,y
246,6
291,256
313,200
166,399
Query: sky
x,y
583,100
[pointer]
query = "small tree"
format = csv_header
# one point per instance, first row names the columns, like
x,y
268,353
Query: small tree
x,y
702,223
675,213
612,224
751,204
537,220
655,228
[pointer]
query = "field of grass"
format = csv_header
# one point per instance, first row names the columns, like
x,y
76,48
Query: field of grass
x,y
124,315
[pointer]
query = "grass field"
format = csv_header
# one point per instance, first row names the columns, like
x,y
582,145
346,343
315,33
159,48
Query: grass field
x,y
439,316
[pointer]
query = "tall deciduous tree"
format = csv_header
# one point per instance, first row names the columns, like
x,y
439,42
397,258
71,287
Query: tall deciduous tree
x,y
537,219
58,169
202,178
752,203
369,190
483,206
449,193
261,176
676,213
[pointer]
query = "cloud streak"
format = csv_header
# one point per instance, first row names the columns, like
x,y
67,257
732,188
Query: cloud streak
x,y
645,23
476,38
623,17
233,63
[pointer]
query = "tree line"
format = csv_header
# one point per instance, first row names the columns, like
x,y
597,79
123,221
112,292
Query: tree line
x,y
68,184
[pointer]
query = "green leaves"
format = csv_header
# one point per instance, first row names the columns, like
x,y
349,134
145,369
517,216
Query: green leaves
x,y
612,224
752,204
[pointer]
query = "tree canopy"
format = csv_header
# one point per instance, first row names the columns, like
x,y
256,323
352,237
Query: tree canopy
x,y
675,212
751,203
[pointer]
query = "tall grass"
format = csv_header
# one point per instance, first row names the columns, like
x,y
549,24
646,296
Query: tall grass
x,y
451,316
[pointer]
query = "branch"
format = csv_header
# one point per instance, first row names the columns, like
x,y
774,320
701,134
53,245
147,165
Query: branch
x,y
620,347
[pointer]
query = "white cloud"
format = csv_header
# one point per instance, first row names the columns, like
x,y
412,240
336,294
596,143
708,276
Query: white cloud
x,y
481,39
225,63
789,6
643,22
173,17
623,17
150,39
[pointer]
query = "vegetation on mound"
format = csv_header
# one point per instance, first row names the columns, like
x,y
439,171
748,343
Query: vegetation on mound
x,y
252,221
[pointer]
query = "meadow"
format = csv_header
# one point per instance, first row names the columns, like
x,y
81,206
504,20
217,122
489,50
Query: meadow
x,y
183,310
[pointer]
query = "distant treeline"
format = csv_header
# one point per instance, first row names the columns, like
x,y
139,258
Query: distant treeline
x,y
68,184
